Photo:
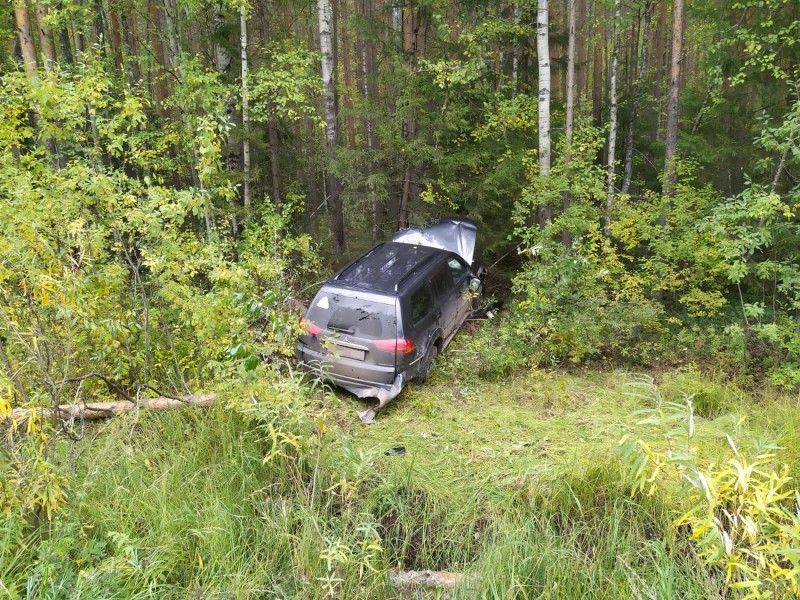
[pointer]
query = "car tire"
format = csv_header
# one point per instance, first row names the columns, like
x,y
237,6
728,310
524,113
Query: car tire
x,y
425,365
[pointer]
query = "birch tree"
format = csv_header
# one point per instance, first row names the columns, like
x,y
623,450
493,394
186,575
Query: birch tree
x,y
612,126
26,43
515,52
570,109
45,37
245,115
671,136
543,55
324,16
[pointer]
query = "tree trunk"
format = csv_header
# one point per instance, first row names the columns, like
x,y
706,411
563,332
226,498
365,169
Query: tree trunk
x,y
324,16
553,19
245,113
581,80
569,119
171,27
597,71
402,213
26,43
80,42
131,23
570,96
409,38
348,76
45,38
104,410
658,82
515,53
369,92
671,136
157,74
637,96
116,34
612,126
64,42
543,56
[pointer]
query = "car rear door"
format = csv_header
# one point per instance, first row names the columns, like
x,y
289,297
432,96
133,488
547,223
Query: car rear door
x,y
446,300
461,275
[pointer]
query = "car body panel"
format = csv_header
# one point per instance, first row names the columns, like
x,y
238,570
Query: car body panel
x,y
457,235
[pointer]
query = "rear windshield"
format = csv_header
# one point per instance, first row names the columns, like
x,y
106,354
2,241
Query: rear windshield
x,y
353,316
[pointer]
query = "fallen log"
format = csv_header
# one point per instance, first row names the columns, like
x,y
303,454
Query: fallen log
x,y
410,581
104,410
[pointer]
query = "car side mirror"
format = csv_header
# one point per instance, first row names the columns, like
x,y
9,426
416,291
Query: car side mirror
x,y
474,285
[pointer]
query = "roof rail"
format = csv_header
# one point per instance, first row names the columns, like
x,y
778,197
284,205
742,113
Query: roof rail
x,y
421,264
341,273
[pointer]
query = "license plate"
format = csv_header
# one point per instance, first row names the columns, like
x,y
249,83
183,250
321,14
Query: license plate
x,y
346,352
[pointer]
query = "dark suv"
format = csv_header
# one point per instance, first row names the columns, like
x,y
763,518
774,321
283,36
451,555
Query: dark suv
x,y
382,319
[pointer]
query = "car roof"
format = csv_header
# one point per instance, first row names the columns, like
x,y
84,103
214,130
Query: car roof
x,y
388,267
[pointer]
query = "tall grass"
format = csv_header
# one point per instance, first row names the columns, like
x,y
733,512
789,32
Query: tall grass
x,y
182,505
528,501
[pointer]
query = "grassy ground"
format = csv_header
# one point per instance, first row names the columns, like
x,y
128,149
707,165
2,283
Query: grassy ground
x,y
516,483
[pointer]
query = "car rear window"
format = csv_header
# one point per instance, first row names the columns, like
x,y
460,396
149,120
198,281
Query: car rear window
x,y
353,315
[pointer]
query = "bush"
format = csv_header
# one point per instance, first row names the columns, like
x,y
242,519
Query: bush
x,y
743,513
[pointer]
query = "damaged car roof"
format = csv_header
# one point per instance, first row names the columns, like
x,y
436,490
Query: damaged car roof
x,y
386,267
455,234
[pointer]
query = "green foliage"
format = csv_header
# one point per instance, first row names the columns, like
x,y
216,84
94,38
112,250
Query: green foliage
x,y
109,284
663,275
743,516
280,88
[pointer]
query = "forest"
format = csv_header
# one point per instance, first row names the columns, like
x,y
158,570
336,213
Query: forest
x,y
178,178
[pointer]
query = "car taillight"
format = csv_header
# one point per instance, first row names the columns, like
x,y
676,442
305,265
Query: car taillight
x,y
309,327
398,346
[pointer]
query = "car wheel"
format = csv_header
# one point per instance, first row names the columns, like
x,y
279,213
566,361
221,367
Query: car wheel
x,y
425,365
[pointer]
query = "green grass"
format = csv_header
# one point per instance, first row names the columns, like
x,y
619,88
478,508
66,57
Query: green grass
x,y
516,483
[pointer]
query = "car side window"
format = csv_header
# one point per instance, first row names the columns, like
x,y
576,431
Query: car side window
x,y
442,284
421,304
456,269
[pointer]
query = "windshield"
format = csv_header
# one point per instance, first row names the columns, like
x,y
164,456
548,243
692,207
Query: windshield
x,y
353,315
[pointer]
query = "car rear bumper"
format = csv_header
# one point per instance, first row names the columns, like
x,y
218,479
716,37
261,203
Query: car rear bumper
x,y
346,372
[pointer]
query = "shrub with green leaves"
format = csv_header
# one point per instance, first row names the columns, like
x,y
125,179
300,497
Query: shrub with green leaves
x,y
743,511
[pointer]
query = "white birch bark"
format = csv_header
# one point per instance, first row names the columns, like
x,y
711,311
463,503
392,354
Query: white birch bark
x,y
27,45
173,35
570,78
515,54
612,127
570,111
245,110
543,55
671,137
325,16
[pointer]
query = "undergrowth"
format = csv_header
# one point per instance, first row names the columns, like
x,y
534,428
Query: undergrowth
x,y
515,483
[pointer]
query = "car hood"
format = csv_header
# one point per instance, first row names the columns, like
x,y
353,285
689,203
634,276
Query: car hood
x,y
454,234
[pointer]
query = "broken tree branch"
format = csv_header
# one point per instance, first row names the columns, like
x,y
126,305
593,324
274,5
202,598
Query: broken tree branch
x,y
104,410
